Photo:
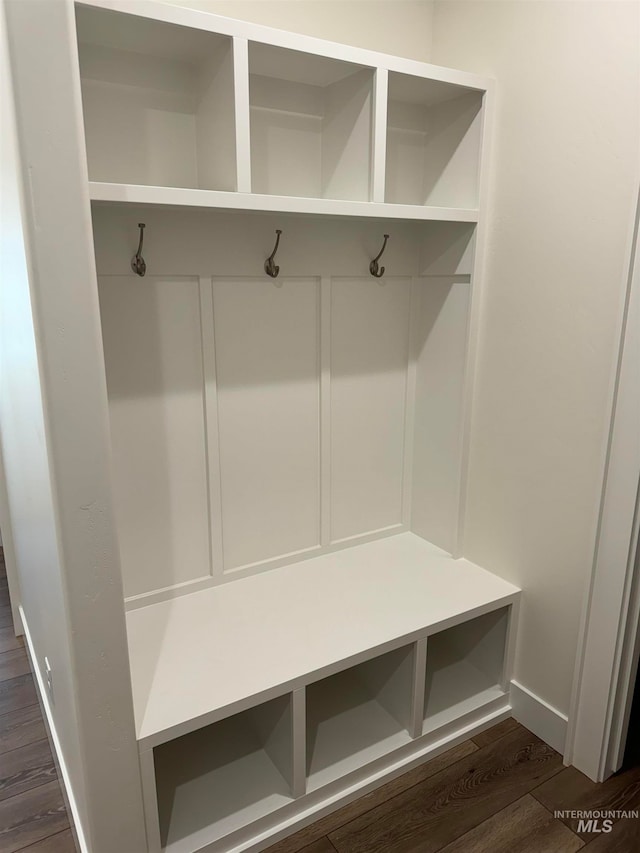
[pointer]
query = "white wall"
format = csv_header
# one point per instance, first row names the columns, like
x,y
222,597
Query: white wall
x,y
565,162
400,27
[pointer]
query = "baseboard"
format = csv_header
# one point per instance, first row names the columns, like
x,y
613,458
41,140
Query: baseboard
x,y
539,717
63,773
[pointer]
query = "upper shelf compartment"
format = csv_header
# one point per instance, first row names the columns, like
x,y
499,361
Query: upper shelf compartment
x,y
183,107
158,102
433,142
311,124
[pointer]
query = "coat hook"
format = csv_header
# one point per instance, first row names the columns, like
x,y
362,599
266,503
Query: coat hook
x,y
137,261
269,266
374,268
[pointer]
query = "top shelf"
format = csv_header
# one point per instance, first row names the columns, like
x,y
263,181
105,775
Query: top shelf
x,y
175,99
201,657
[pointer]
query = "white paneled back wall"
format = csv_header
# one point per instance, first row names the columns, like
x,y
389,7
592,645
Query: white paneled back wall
x,y
277,418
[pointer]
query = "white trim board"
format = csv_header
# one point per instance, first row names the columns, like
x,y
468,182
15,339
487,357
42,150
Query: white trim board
x,y
538,716
604,674
63,772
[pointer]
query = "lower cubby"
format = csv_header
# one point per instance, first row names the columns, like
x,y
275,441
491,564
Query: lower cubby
x,y
358,715
465,668
223,777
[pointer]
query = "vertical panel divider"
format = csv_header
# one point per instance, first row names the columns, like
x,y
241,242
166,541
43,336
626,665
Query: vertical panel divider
x,y
419,681
379,135
150,801
510,645
473,324
325,410
410,402
242,113
212,434
299,746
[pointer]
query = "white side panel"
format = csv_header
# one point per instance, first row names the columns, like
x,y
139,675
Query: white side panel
x,y
452,153
242,114
215,123
268,398
153,356
379,133
440,364
346,138
273,722
29,516
369,356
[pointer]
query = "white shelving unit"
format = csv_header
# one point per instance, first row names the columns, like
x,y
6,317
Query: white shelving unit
x,y
288,454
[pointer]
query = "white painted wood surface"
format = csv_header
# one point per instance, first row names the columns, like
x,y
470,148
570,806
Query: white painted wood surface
x,y
158,103
266,333
369,360
215,780
465,668
606,668
195,19
347,727
199,657
442,312
314,408
154,363
185,197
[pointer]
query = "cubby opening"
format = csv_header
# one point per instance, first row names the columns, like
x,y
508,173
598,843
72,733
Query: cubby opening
x,y
358,715
465,668
433,142
311,120
158,102
221,777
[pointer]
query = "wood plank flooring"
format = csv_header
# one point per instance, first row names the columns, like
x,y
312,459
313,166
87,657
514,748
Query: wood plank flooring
x,y
33,817
494,793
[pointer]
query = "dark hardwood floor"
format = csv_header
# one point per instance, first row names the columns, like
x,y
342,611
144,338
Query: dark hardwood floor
x,y
495,793
33,817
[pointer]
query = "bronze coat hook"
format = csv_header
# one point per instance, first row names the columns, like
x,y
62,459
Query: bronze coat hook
x,y
376,270
269,266
137,261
